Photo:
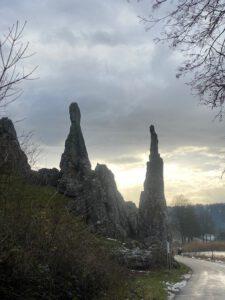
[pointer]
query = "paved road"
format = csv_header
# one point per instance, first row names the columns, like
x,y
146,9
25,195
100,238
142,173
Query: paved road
x,y
207,281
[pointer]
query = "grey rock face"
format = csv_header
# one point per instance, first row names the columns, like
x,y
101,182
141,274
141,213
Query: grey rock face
x,y
135,259
75,165
102,206
132,216
94,193
14,161
48,176
153,227
114,204
12,158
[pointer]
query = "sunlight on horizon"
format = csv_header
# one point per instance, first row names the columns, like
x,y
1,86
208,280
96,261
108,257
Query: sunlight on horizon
x,y
199,182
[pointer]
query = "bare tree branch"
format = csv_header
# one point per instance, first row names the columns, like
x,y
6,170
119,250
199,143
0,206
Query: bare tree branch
x,y
30,147
12,52
197,29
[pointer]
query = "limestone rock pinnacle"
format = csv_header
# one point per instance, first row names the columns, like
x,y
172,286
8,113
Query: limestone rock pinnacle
x,y
154,142
75,115
94,194
153,227
75,164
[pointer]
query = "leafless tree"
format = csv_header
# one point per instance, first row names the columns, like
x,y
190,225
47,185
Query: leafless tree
x,y
197,29
184,219
31,148
13,51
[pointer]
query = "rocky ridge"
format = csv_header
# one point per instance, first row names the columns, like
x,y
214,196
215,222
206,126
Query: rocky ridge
x,y
93,194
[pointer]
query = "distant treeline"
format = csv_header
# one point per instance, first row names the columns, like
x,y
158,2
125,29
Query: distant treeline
x,y
197,221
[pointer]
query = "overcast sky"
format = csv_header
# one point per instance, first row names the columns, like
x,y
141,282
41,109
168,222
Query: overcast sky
x,y
98,54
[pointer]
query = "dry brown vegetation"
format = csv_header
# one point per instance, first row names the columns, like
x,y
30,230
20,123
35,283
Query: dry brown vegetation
x,y
199,246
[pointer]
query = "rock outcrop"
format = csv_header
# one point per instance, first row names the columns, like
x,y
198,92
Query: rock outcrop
x,y
116,214
12,159
75,165
153,226
135,259
132,216
94,193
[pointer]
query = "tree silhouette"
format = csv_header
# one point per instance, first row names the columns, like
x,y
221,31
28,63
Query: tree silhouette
x,y
13,51
197,29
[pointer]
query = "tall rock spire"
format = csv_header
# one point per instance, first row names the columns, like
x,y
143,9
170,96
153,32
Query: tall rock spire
x,y
94,194
153,227
154,151
75,164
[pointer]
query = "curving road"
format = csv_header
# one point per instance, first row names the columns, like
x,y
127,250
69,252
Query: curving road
x,y
207,281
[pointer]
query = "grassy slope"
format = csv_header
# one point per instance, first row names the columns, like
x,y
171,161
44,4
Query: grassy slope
x,y
45,253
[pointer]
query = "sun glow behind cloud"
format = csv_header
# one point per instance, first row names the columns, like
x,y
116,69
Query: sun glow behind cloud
x,y
192,171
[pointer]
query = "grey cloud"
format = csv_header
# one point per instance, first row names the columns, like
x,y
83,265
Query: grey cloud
x,y
122,160
96,53
210,195
63,34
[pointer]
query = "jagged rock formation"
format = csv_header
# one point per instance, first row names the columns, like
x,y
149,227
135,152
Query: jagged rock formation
x,y
116,214
75,165
14,161
153,227
12,158
95,195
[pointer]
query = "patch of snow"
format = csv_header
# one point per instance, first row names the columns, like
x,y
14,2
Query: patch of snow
x,y
140,271
218,256
187,276
206,253
219,261
110,239
174,288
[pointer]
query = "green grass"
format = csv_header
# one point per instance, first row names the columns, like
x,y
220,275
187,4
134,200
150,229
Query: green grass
x,y
151,285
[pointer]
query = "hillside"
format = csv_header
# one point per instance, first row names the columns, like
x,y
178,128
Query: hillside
x,y
45,252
